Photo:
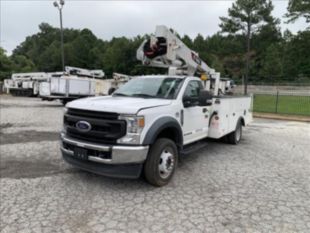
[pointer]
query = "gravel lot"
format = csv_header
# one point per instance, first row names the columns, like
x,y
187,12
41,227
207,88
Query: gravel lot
x,y
261,185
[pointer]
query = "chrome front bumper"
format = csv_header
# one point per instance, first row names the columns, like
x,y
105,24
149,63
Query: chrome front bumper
x,y
119,154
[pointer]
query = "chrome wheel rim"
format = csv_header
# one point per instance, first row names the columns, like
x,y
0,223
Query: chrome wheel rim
x,y
166,163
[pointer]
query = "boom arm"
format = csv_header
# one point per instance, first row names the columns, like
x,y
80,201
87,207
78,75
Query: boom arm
x,y
166,50
84,72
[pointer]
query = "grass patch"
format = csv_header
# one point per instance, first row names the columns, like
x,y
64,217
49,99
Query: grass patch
x,y
299,105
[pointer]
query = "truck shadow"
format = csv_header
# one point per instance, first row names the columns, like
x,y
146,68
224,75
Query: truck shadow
x,y
94,181
186,164
187,167
210,146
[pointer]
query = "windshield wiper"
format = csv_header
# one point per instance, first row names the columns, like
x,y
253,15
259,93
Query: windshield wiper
x,y
143,95
119,94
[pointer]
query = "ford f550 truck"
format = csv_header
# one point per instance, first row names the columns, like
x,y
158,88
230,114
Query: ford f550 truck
x,y
144,126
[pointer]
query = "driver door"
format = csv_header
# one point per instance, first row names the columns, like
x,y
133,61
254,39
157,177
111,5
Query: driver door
x,y
196,119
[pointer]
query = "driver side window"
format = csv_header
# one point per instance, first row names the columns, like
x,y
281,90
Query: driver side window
x,y
192,90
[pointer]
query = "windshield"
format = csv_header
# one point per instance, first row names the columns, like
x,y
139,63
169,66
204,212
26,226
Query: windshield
x,y
151,87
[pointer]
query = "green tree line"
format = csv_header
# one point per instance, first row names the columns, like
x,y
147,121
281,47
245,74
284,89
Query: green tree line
x,y
263,53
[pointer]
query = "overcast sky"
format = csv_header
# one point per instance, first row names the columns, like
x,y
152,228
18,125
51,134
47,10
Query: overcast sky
x,y
109,19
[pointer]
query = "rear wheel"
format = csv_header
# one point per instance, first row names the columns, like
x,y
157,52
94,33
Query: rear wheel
x,y
235,137
161,162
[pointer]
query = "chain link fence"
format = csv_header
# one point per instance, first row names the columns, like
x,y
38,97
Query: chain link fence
x,y
282,102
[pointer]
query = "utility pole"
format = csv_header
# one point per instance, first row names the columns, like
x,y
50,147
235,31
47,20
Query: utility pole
x,y
59,5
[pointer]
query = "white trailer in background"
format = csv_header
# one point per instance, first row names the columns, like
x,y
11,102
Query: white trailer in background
x,y
79,83
25,84
73,84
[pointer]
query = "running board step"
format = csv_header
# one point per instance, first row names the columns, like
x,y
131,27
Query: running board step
x,y
193,147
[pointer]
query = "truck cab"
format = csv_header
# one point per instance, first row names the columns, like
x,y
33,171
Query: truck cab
x,y
146,124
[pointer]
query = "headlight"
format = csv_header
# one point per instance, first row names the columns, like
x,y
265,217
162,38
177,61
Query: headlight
x,y
135,125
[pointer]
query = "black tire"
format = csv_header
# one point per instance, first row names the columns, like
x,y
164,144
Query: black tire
x,y
235,136
152,172
64,101
13,93
111,90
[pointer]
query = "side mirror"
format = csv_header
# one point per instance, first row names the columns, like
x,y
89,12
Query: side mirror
x,y
205,98
189,101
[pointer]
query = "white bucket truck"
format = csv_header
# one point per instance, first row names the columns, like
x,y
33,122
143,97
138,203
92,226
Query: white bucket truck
x,y
25,84
148,122
73,84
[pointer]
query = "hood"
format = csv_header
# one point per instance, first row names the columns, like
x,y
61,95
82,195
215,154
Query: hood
x,y
127,105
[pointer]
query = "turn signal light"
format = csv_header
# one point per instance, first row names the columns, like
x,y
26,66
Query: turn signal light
x,y
141,122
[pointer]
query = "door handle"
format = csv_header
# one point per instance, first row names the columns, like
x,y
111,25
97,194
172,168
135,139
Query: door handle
x,y
182,117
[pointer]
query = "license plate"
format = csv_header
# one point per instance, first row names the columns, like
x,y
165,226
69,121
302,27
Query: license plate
x,y
80,153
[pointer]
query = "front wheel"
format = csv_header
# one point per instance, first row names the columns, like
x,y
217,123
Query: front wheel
x,y
161,162
235,137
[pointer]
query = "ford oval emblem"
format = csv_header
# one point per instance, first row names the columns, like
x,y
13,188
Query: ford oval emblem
x,y
83,126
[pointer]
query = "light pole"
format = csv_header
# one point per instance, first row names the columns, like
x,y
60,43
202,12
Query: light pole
x,y
60,4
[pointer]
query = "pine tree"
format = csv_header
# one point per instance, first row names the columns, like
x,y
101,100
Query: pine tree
x,y
297,9
247,17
